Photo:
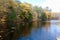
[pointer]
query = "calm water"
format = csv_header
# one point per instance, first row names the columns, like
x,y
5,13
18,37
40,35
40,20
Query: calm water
x,y
41,31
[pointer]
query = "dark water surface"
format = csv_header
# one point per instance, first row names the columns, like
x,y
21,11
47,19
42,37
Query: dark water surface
x,y
41,31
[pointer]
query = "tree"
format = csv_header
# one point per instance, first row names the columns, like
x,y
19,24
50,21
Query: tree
x,y
38,10
43,17
25,12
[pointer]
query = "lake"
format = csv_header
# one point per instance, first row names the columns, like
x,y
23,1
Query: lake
x,y
41,31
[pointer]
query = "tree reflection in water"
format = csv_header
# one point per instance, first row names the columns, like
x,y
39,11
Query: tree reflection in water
x,y
46,24
24,30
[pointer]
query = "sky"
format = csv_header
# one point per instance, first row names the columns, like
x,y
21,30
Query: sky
x,y
52,4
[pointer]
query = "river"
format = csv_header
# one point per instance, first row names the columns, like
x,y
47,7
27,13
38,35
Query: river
x,y
42,31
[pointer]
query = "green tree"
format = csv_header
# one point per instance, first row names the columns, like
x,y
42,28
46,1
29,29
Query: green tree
x,y
38,10
43,17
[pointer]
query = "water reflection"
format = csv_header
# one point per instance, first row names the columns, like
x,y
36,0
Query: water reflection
x,y
24,29
39,31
